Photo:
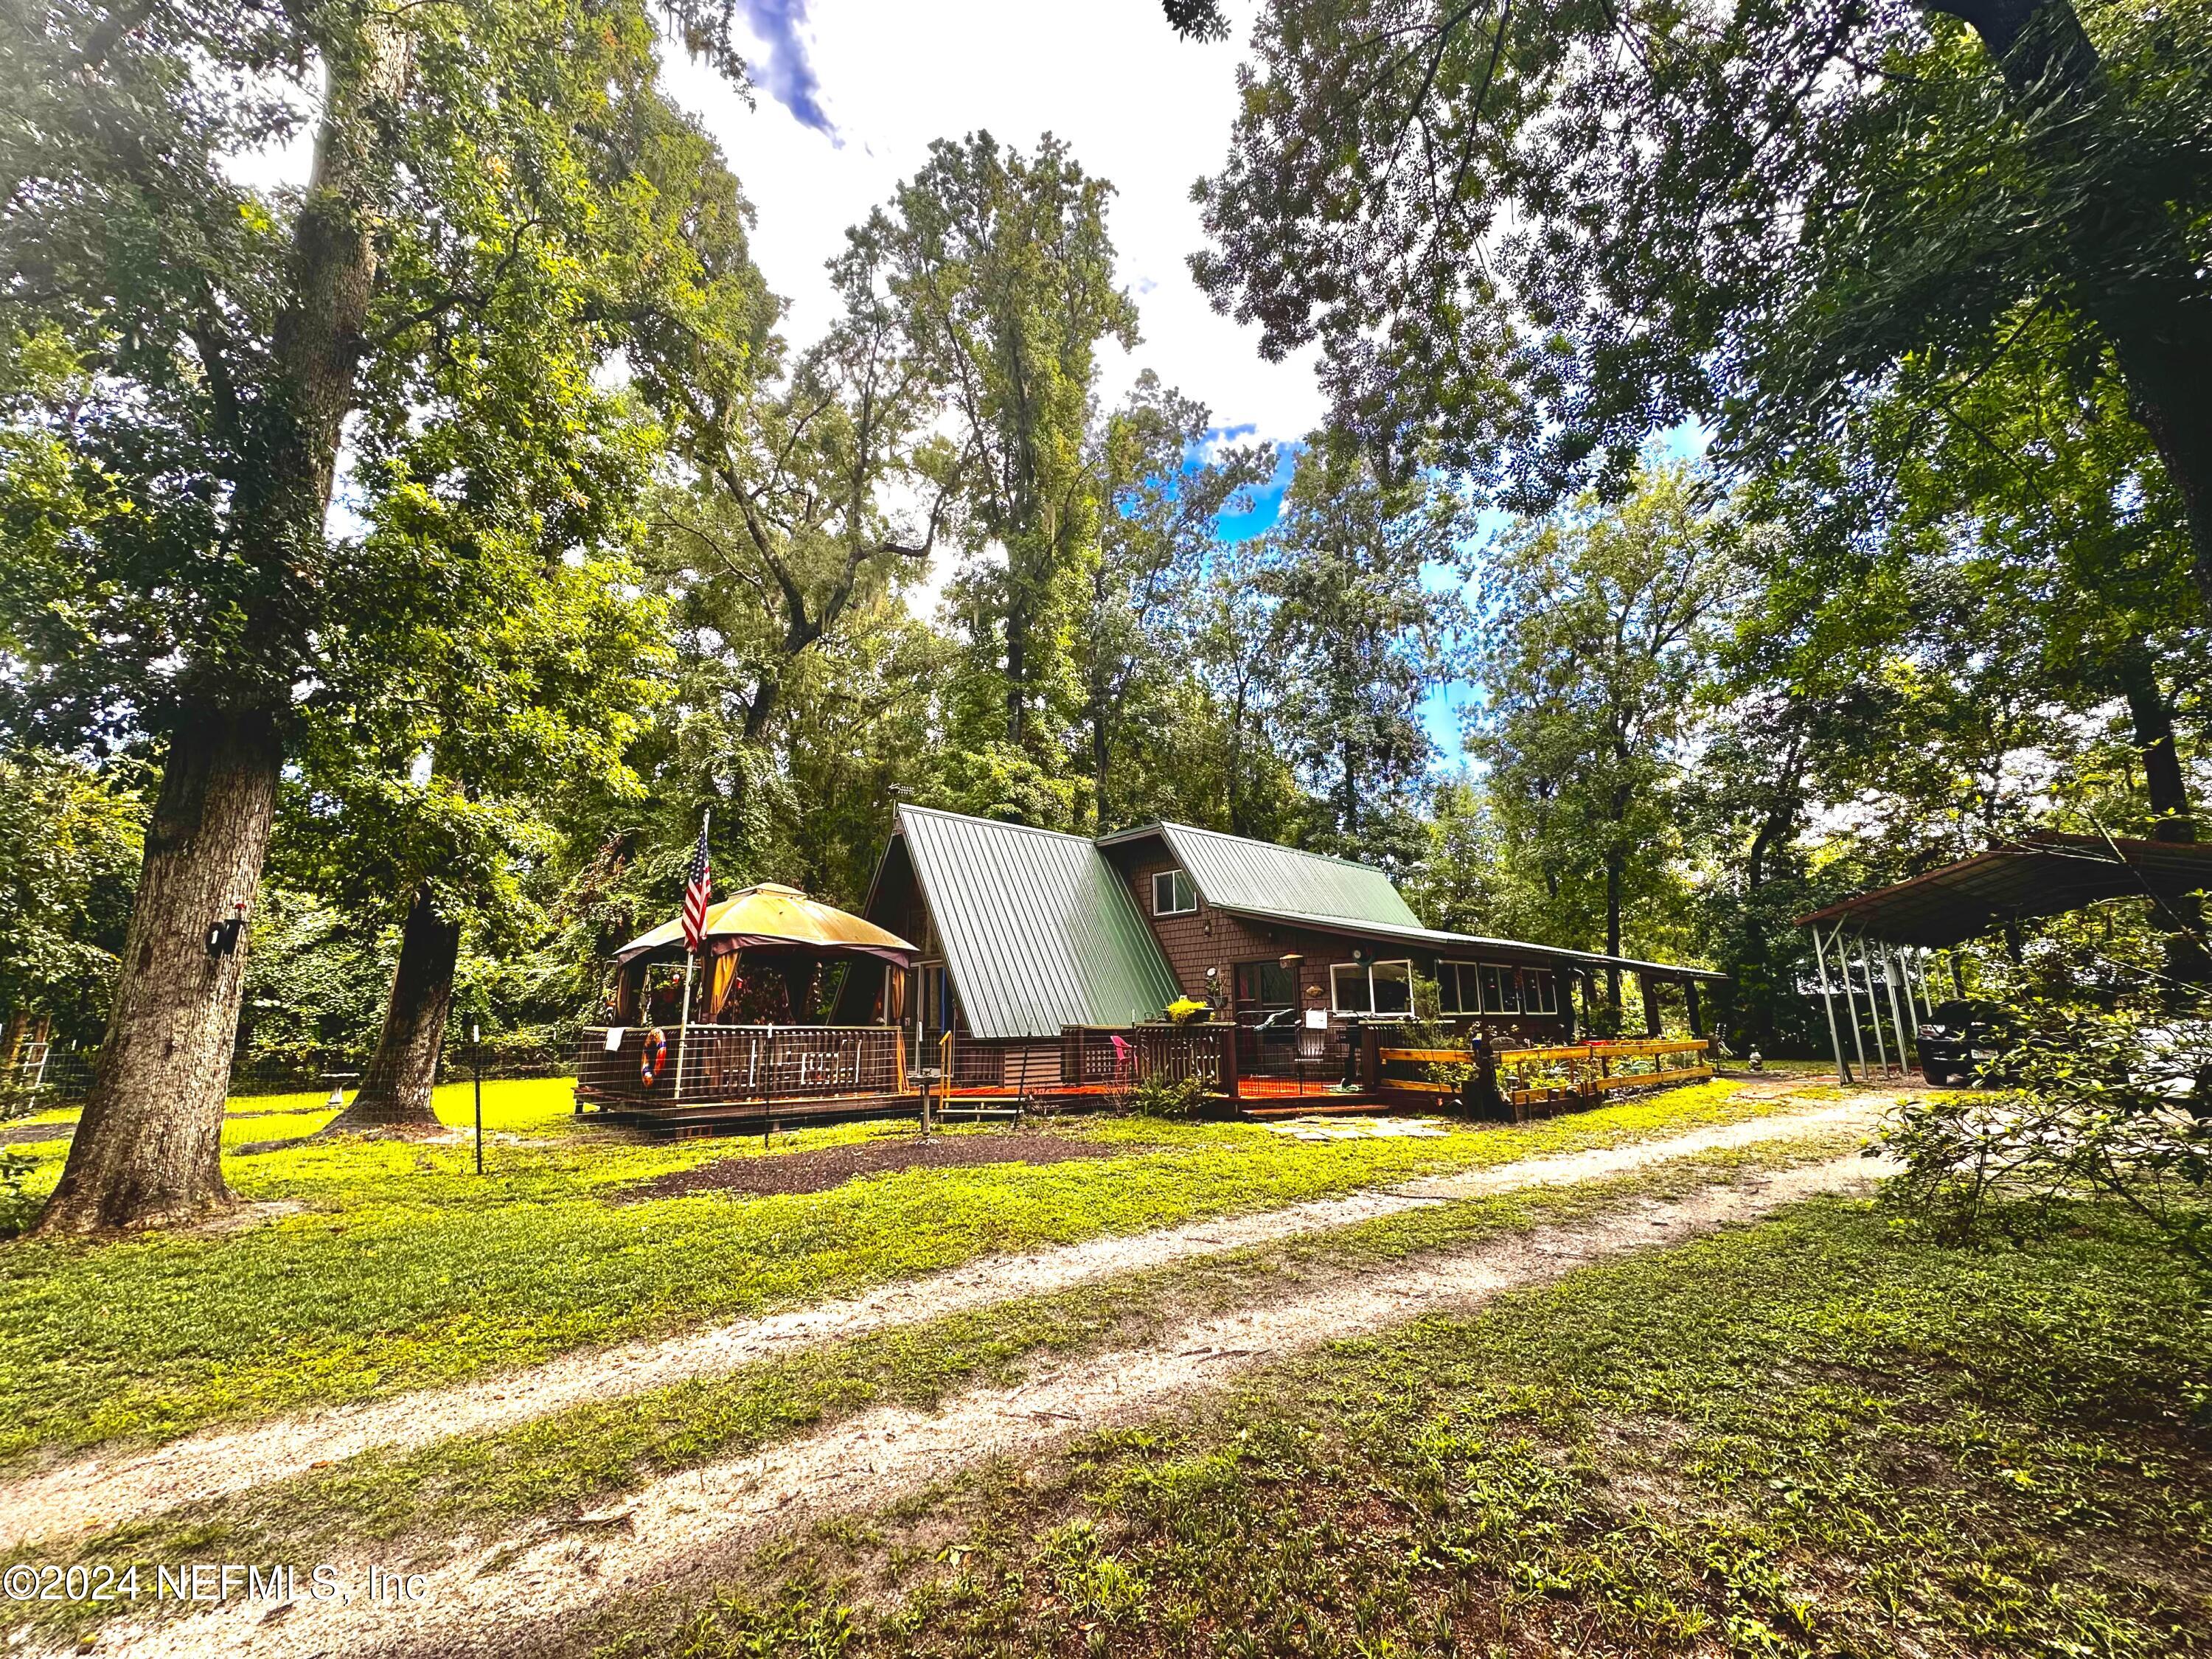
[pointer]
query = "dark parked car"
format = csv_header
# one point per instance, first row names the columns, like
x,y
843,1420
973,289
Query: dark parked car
x,y
1963,1042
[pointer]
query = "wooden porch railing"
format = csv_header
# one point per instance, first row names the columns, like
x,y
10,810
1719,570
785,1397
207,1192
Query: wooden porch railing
x,y
1289,1049
965,1066
740,1063
1122,1056
1577,1073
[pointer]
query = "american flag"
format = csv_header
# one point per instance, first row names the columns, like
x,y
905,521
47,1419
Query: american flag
x,y
697,887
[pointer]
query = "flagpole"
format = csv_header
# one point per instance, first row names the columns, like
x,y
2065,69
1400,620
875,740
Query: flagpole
x,y
690,965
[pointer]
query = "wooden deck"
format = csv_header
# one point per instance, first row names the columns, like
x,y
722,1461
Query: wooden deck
x,y
1257,1099
745,1117
756,1080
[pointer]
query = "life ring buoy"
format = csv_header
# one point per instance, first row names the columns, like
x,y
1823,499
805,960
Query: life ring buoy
x,y
654,1059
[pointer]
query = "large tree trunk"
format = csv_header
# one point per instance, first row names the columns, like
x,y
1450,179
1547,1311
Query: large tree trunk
x,y
395,1092
2156,310
2188,963
1101,758
149,1148
1018,668
767,696
2152,718
1238,826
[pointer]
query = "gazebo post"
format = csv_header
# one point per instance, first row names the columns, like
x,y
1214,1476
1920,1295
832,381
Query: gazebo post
x,y
683,1023
1828,1002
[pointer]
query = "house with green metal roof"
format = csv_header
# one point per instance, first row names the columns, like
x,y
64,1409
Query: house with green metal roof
x,y
1026,935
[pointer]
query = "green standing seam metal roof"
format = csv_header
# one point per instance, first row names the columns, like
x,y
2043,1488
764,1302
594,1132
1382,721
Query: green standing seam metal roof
x,y
1233,873
1333,895
1038,930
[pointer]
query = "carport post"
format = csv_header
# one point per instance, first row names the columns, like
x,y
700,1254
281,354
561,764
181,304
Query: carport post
x,y
1889,973
1828,1002
1874,1006
1850,1003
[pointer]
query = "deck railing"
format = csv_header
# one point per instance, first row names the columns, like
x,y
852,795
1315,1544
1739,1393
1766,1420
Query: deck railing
x,y
1122,1056
1286,1049
961,1063
1572,1074
740,1063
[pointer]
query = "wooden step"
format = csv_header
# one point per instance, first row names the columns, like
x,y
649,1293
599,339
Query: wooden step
x,y
1321,1106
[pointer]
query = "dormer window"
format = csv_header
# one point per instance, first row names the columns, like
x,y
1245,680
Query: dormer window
x,y
1173,894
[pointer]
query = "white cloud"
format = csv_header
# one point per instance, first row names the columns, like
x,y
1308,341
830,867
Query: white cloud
x,y
1136,105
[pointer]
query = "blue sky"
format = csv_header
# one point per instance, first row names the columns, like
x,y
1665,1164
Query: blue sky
x,y
1441,710
851,92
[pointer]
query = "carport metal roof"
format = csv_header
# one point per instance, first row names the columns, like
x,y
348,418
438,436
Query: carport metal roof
x,y
2043,874
1892,928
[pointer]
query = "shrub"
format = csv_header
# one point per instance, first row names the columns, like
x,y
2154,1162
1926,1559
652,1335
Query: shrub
x,y
2113,1103
17,1207
1159,1097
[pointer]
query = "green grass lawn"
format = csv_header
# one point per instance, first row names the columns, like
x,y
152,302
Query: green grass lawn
x,y
529,1105
411,1503
1819,1435
397,1267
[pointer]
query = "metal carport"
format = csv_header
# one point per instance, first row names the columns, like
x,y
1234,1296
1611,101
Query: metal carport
x,y
2043,874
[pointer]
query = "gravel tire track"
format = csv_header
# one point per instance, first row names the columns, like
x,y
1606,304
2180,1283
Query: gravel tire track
x,y
100,1490
522,1592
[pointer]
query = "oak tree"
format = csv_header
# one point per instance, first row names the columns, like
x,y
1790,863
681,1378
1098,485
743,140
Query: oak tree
x,y
1537,232
185,356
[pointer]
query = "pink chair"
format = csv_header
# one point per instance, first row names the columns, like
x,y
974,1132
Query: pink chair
x,y
1124,1058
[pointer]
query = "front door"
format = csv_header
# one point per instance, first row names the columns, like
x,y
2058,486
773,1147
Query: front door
x,y
933,1008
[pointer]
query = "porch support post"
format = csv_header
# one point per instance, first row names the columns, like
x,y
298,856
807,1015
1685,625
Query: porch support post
x,y
1828,1002
1690,1006
1227,1076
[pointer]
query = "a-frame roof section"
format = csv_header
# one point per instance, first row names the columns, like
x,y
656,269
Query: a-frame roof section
x,y
1261,878
1038,929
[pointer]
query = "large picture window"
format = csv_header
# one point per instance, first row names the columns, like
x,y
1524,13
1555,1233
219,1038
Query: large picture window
x,y
1394,988
1173,894
1349,990
1450,997
1380,987
1495,988
1540,992
1501,989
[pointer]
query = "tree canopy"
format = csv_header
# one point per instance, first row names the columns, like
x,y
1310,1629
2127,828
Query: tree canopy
x,y
1535,234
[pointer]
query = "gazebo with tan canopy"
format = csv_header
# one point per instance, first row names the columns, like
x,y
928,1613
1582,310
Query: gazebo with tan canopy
x,y
798,945
778,967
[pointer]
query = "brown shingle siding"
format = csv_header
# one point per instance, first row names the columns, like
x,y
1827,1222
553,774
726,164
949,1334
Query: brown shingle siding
x,y
1212,937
